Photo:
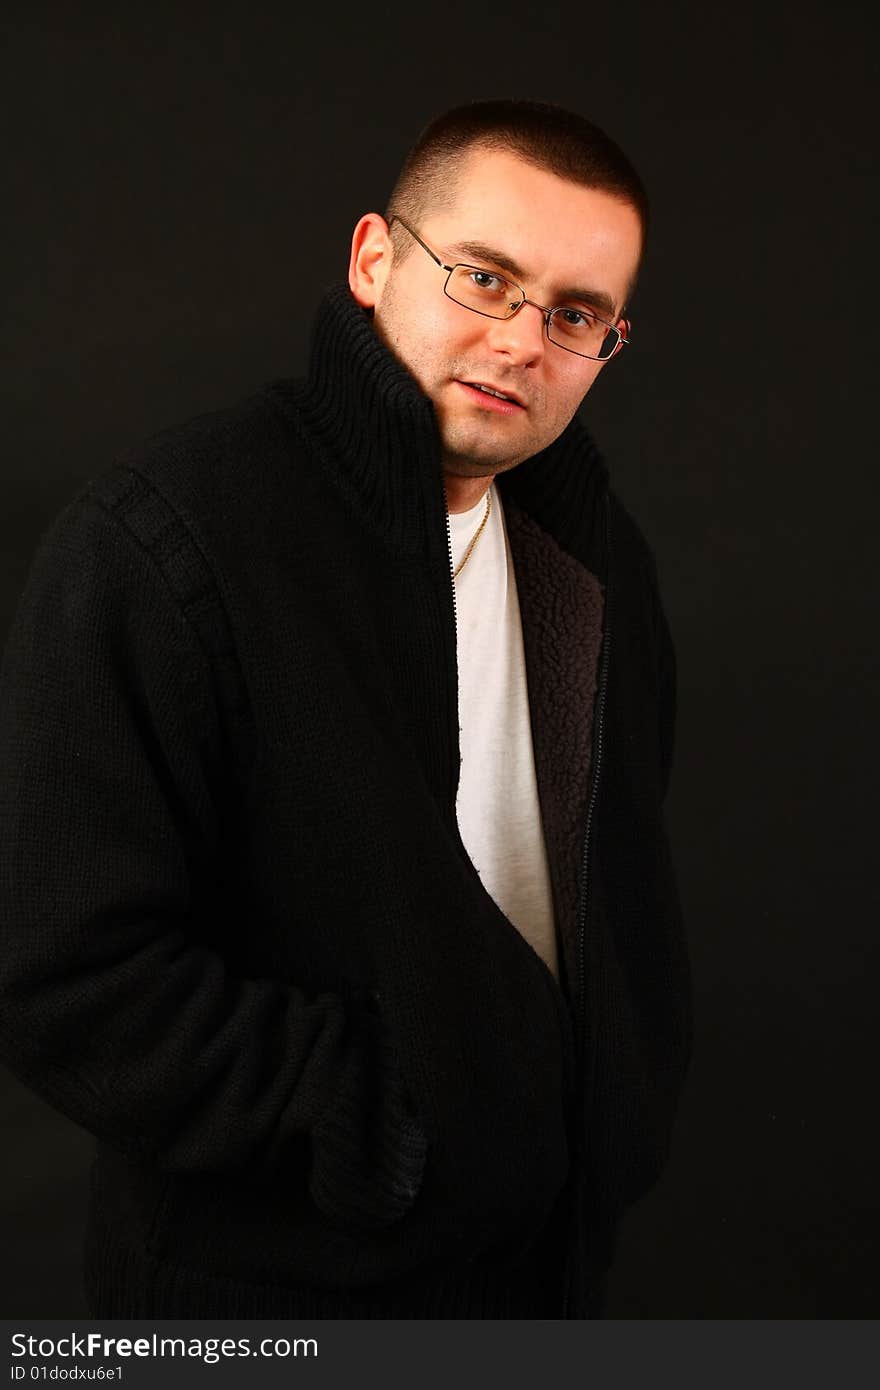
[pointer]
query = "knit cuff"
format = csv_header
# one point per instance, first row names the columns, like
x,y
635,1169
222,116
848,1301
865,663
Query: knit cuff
x,y
368,1148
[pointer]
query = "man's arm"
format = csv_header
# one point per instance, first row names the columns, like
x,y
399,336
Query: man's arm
x,y
667,688
667,700
110,1007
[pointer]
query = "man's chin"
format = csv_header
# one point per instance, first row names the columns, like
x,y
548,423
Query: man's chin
x,y
479,468
485,451
476,462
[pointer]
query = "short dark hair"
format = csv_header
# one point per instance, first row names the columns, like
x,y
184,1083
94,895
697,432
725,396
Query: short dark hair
x,y
548,136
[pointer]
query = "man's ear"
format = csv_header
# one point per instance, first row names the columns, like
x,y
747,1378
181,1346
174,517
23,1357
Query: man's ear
x,y
370,263
623,328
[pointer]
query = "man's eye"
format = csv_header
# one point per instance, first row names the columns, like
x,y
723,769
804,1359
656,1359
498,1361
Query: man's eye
x,y
485,280
573,318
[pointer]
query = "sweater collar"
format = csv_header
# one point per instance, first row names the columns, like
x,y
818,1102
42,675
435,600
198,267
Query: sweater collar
x,y
376,431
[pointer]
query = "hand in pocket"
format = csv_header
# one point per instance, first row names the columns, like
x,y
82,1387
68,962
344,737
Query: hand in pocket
x,y
368,1148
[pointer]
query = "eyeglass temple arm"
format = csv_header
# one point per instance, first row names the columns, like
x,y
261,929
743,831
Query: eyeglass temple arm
x,y
435,258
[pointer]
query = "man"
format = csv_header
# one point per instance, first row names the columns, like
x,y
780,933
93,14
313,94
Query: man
x,y
336,729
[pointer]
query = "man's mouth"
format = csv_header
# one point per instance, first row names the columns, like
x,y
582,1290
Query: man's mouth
x,y
494,393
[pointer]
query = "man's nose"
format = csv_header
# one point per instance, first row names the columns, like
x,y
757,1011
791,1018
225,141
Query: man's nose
x,y
521,337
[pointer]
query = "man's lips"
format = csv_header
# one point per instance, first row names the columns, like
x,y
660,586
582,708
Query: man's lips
x,y
508,406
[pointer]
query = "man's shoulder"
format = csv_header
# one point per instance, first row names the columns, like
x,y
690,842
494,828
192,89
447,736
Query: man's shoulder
x,y
223,445
186,496
208,473
169,517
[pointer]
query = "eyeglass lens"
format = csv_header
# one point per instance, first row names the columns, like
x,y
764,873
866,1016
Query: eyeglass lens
x,y
572,328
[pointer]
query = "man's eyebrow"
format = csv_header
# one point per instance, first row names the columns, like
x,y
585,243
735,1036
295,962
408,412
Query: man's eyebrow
x,y
594,299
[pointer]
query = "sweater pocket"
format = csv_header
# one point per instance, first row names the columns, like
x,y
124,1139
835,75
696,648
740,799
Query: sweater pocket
x,y
368,1148
486,1044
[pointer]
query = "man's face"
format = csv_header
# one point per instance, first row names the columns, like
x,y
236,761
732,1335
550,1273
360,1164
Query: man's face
x,y
547,234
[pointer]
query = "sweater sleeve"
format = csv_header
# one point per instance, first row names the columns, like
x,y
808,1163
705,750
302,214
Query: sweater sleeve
x,y
111,1007
667,701
666,680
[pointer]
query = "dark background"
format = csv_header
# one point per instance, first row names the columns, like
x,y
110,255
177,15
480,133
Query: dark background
x,y
181,188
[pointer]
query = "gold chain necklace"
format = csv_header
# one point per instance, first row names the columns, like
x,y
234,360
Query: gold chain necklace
x,y
467,553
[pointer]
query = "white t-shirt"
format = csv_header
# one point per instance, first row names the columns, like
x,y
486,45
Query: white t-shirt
x,y
499,815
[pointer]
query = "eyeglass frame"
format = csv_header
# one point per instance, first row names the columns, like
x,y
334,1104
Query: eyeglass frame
x,y
548,313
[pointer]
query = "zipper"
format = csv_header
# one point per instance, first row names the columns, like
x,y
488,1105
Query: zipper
x,y
455,742
449,553
580,935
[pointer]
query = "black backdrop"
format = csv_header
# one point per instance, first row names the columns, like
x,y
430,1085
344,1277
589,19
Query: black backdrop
x,y
182,185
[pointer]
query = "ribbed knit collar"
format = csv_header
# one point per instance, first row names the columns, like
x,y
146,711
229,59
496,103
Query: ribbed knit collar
x,y
376,430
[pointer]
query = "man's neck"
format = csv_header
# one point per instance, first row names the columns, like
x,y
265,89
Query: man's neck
x,y
464,493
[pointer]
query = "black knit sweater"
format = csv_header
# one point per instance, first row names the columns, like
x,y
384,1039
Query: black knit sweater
x,y
243,943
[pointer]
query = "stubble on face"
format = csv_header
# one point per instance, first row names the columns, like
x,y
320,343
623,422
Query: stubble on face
x,y
476,444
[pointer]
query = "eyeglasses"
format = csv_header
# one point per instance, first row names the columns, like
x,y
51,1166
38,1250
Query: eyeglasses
x,y
473,287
